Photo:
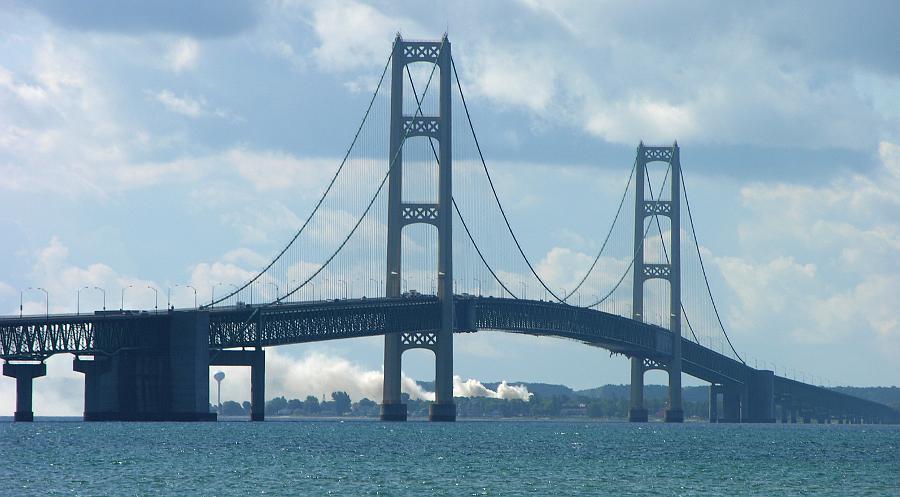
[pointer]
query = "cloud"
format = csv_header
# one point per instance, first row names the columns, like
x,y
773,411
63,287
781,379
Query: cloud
x,y
183,54
53,271
181,105
201,19
745,75
847,227
191,107
514,78
352,34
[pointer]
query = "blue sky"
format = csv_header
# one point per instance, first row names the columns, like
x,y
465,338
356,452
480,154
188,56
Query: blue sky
x,y
168,143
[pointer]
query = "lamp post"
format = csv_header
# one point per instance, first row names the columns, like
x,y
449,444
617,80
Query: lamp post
x,y
102,290
46,296
122,304
524,289
213,292
192,288
155,298
277,290
78,299
345,287
373,280
478,281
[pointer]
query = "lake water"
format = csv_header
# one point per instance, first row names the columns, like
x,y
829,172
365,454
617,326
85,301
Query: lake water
x,y
464,458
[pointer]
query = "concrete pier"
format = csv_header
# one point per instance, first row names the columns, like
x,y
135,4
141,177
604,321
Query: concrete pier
x,y
164,377
392,407
761,397
731,404
256,361
96,382
637,413
24,373
713,403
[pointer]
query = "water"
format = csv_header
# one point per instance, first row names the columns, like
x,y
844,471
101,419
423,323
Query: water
x,y
465,458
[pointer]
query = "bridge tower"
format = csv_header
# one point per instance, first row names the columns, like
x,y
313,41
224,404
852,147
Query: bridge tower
x,y
401,214
670,271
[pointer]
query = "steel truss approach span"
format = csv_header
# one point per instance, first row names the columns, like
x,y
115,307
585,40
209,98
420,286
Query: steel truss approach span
x,y
108,334
383,228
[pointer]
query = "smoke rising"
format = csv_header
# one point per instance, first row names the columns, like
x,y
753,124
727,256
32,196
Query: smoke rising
x,y
319,374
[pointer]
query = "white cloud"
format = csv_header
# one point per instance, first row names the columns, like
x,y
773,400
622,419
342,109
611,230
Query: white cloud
x,y
182,105
352,34
194,108
183,54
847,228
514,77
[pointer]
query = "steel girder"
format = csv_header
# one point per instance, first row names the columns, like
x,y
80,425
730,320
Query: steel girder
x,y
36,338
317,321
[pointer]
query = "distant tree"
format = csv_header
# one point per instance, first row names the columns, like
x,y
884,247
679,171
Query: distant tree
x,y
311,404
248,407
296,406
232,408
275,405
341,402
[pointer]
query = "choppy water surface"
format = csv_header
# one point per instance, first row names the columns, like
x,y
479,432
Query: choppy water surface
x,y
465,458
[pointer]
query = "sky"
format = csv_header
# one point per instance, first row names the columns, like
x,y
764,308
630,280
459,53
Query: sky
x,y
171,142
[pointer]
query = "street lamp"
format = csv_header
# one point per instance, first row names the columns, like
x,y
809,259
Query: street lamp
x,y
479,286
78,299
155,298
213,293
277,290
46,295
373,280
345,287
192,288
122,305
524,289
103,290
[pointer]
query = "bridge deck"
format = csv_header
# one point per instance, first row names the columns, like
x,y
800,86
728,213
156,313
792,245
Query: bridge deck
x,y
38,337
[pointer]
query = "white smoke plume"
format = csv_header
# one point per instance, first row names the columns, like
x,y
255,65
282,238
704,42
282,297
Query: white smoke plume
x,y
320,374
474,388
61,392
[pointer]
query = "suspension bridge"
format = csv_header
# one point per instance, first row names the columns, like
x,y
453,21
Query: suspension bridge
x,y
377,256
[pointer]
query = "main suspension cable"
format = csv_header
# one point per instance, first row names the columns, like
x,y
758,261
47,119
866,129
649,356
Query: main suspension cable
x,y
608,234
437,159
633,254
324,194
391,166
703,269
662,242
359,221
494,190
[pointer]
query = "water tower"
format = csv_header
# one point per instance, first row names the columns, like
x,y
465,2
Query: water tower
x,y
219,376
